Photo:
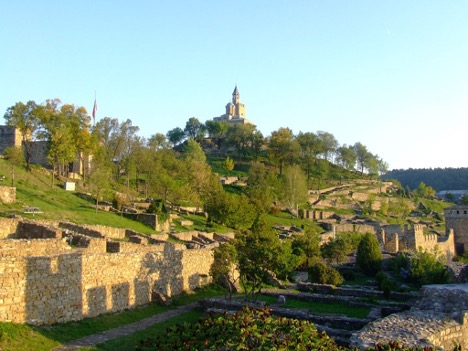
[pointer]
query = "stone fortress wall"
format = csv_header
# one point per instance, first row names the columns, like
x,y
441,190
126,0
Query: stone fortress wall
x,y
47,280
397,238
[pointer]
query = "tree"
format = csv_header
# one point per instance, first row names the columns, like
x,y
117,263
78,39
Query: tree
x,y
329,144
98,182
282,147
306,246
158,141
175,136
310,147
369,256
336,250
224,269
346,157
194,129
228,164
294,189
216,131
24,117
319,272
240,136
261,187
362,156
258,251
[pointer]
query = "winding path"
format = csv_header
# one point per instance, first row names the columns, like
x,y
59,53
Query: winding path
x,y
124,330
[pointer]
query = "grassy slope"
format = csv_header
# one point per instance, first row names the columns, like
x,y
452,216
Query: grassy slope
x,y
34,189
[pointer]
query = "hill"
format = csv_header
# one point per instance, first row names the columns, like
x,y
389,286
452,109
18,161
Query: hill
x,y
437,178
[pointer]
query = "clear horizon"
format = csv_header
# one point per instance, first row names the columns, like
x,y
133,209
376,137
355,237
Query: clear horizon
x,y
391,75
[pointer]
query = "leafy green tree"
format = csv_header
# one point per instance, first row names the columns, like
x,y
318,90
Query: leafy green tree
x,y
224,269
240,136
228,164
261,187
321,273
369,256
216,131
158,141
294,187
346,157
282,147
258,250
98,182
362,156
194,129
24,117
310,147
336,250
329,144
175,136
428,268
306,246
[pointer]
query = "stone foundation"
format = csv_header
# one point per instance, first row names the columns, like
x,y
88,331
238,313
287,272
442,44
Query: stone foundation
x,y
440,319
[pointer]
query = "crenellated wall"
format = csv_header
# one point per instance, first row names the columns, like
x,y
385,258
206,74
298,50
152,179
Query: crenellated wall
x,y
40,288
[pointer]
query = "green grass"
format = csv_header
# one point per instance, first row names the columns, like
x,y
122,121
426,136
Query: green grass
x,y
34,189
18,337
321,307
131,341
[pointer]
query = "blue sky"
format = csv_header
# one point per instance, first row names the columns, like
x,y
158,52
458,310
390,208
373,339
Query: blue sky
x,y
392,75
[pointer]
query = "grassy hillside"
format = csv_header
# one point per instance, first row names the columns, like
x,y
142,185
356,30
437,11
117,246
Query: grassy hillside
x,y
33,189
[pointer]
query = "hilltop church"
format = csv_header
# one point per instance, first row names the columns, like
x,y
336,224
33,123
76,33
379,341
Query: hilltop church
x,y
235,111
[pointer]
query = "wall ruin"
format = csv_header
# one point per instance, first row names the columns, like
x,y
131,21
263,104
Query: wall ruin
x,y
45,281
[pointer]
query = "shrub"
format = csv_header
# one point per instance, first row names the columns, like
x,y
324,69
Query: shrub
x,y
385,283
369,256
427,268
249,329
321,273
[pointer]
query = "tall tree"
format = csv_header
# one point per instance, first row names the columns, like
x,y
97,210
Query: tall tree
x,y
329,144
294,187
362,156
217,131
194,129
346,157
282,147
175,136
240,136
24,117
311,146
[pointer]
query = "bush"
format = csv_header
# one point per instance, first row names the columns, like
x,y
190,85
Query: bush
x,y
248,329
427,268
385,283
369,256
321,273
348,275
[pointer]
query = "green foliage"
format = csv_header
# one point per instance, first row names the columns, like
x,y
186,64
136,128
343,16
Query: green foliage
x,y
428,268
249,329
369,256
224,267
319,272
306,246
336,250
228,164
259,253
386,284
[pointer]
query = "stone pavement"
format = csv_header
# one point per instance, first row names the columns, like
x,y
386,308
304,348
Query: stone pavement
x,y
92,340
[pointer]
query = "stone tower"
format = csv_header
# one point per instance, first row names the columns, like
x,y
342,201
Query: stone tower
x,y
235,111
456,218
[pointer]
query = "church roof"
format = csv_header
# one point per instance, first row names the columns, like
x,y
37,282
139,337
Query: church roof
x,y
235,91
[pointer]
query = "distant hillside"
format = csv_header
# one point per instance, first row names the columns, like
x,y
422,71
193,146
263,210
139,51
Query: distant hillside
x,y
437,178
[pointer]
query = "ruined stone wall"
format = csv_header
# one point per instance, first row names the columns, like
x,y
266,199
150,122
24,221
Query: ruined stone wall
x,y
8,227
71,286
37,247
355,228
7,194
81,229
149,219
34,230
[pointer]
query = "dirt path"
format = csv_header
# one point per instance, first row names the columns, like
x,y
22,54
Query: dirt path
x,y
92,340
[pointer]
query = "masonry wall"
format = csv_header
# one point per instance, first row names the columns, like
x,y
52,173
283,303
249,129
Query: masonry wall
x,y
70,286
7,194
456,218
8,227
